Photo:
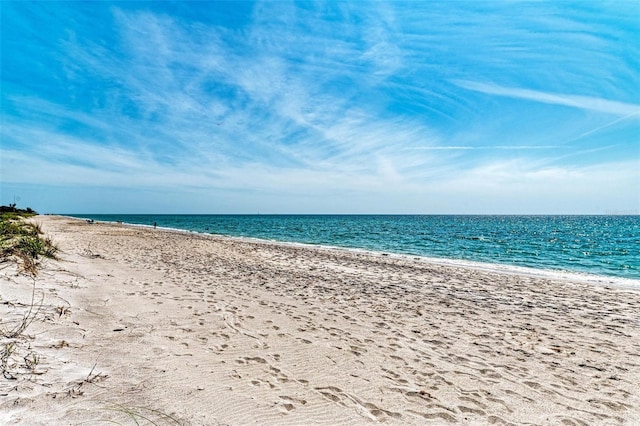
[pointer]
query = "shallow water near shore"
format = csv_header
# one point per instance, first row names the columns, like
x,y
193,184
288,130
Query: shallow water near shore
x,y
600,245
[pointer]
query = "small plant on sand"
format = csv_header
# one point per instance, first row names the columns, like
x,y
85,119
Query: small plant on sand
x,y
12,340
92,378
135,415
6,351
21,325
149,415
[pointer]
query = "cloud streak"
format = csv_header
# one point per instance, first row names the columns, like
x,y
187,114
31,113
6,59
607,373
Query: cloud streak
x,y
581,102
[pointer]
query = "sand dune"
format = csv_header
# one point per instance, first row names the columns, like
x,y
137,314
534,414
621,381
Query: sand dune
x,y
188,329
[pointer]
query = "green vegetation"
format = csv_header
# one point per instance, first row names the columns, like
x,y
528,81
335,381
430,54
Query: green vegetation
x,y
20,241
11,208
23,240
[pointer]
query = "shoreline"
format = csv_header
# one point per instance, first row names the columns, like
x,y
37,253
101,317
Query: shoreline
x,y
134,323
501,268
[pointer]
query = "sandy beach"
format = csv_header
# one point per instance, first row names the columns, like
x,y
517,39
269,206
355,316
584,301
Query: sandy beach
x,y
135,324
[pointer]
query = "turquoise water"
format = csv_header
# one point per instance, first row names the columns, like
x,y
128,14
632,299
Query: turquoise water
x,y
601,245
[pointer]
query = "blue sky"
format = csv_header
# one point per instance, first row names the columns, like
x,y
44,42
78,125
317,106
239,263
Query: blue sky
x,y
321,107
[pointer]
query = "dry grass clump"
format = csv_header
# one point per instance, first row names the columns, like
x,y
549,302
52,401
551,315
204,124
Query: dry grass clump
x,y
24,241
15,356
16,328
139,415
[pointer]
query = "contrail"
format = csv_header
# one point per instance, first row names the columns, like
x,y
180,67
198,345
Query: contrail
x,y
601,127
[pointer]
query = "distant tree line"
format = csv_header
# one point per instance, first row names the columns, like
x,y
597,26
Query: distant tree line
x,y
11,208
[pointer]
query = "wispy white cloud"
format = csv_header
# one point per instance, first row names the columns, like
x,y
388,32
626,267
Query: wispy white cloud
x,y
485,147
582,102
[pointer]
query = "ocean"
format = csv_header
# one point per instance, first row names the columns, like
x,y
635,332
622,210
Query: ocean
x,y
599,245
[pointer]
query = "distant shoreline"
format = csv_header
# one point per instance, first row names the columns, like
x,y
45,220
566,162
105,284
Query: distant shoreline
x,y
502,268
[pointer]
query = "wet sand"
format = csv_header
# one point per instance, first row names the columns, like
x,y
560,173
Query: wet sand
x,y
182,328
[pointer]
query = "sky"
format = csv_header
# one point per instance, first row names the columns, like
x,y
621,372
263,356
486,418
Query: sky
x,y
502,107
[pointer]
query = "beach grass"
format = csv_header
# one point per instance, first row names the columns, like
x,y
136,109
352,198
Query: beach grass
x,y
23,241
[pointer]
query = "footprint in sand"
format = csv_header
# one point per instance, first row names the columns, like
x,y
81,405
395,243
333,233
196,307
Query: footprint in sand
x,y
255,359
289,403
